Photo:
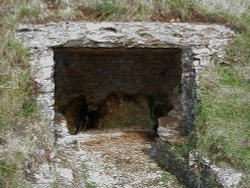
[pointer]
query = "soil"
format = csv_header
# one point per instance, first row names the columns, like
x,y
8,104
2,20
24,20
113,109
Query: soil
x,y
120,158
123,159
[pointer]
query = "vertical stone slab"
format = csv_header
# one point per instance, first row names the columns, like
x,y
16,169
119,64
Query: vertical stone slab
x,y
43,70
188,92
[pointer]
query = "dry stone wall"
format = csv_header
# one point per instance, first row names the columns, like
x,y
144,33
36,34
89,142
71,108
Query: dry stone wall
x,y
197,42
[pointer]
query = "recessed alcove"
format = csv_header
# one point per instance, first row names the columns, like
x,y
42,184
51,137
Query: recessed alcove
x,y
126,71
97,73
130,60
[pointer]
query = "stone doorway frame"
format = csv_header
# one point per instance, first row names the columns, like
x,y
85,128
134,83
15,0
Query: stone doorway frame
x,y
198,42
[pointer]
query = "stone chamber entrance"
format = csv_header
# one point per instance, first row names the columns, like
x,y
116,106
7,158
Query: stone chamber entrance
x,y
116,88
87,60
113,101
107,88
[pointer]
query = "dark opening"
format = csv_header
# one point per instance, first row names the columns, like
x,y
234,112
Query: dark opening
x,y
99,88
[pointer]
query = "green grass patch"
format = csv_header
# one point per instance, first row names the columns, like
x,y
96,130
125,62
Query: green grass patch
x,y
106,8
183,149
224,120
17,102
7,172
90,185
10,173
165,177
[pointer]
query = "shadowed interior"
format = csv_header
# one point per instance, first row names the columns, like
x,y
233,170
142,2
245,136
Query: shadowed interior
x,y
144,75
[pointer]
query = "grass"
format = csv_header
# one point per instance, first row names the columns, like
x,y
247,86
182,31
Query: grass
x,y
12,159
183,149
106,8
166,177
15,85
11,175
223,120
181,8
17,101
231,7
88,184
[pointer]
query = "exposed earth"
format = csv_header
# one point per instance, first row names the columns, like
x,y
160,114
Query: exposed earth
x,y
111,158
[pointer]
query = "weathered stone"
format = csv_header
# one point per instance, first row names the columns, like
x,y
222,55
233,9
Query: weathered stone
x,y
125,111
168,159
66,175
128,34
47,87
224,174
44,176
196,64
201,51
46,58
227,176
